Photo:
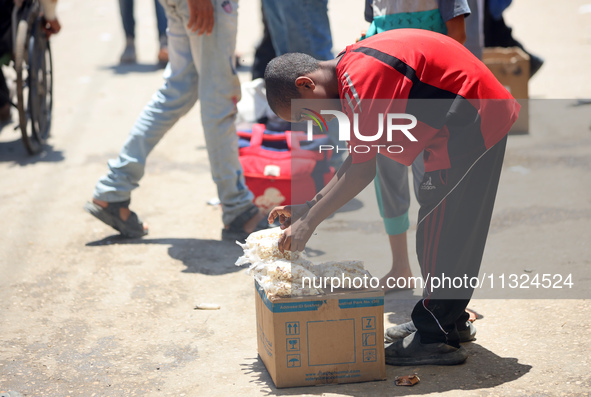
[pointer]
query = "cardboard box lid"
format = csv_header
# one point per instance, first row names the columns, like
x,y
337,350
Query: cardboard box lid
x,y
346,299
511,62
503,55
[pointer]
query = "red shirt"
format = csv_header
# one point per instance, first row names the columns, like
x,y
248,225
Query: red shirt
x,y
458,103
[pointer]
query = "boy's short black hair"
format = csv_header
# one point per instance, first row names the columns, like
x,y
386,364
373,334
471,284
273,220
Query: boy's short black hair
x,y
281,74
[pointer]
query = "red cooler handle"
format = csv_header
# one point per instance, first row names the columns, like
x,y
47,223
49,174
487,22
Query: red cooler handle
x,y
256,139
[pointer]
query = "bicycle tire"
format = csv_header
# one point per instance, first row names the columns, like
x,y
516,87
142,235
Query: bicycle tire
x,y
48,73
40,86
22,87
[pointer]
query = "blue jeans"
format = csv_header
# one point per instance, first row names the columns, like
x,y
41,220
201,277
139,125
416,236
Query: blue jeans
x,y
299,26
126,8
200,67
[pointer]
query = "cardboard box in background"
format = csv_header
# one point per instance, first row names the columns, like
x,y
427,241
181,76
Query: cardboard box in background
x,y
323,339
511,67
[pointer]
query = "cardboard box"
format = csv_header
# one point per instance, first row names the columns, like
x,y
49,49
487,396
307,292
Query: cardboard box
x,y
323,339
511,67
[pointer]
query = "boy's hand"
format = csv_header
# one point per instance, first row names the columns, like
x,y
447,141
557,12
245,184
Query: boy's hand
x,y
287,214
200,16
295,237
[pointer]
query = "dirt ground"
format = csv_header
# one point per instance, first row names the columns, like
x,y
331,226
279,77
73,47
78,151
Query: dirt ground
x,y
84,313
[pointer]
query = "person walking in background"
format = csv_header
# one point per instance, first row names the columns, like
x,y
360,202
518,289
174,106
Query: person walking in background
x,y
295,26
129,53
202,40
264,51
299,26
498,34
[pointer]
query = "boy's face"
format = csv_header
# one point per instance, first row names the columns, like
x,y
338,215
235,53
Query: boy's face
x,y
314,96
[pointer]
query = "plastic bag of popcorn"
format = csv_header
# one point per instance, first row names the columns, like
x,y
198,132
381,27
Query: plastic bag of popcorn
x,y
262,246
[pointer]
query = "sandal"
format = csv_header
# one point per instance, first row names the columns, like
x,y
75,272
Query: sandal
x,y
236,231
133,227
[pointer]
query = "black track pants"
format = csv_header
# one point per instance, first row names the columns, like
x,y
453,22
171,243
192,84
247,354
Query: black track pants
x,y
454,218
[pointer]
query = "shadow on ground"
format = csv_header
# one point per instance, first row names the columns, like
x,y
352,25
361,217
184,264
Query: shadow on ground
x,y
483,370
211,257
353,205
133,68
398,305
15,152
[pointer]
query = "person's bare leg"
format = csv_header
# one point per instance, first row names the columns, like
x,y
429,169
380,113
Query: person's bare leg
x,y
123,212
400,263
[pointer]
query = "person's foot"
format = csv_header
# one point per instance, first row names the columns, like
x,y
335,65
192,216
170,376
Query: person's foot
x,y
535,63
392,334
124,214
410,351
252,224
399,331
128,55
251,220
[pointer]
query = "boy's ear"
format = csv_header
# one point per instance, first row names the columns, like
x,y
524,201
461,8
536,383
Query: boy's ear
x,y
305,83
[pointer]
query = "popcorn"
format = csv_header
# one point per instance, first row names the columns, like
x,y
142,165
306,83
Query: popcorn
x,y
283,274
262,246
273,288
283,270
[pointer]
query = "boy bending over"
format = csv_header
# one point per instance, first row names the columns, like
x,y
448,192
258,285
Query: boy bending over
x,y
461,118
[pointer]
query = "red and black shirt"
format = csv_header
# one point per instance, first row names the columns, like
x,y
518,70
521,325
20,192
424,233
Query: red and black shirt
x,y
459,104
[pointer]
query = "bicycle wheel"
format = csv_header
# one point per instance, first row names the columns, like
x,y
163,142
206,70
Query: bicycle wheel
x,y
21,65
40,83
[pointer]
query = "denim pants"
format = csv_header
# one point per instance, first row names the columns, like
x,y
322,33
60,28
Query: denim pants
x,y
200,67
126,8
299,26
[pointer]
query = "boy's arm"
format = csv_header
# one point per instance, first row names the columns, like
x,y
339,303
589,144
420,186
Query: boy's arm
x,y
456,29
290,213
349,181
453,13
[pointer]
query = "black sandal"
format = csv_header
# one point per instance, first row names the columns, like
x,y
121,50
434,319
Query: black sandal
x,y
133,227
